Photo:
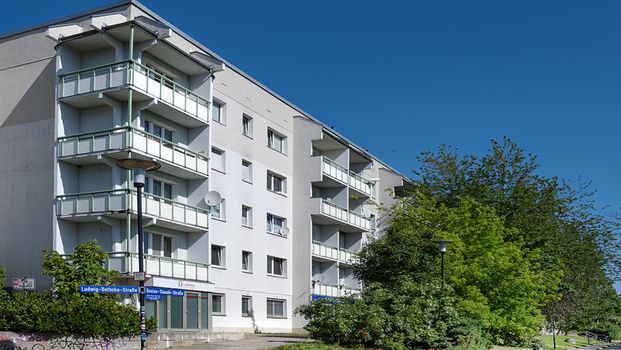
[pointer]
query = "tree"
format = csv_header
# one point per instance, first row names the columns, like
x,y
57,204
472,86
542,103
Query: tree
x,y
493,279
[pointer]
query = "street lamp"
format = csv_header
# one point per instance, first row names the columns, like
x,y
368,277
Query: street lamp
x,y
443,243
140,167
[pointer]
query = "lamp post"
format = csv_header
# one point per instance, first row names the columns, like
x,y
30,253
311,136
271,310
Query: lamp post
x,y
443,243
139,168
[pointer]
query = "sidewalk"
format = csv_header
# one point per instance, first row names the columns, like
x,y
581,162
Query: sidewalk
x,y
250,342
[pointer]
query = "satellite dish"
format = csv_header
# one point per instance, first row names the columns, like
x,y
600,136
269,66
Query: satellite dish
x,y
213,198
284,231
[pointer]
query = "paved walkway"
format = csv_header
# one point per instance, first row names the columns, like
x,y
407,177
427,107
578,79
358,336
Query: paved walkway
x,y
250,342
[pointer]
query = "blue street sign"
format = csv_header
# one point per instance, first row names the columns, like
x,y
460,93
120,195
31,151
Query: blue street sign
x,y
318,297
109,289
164,291
154,297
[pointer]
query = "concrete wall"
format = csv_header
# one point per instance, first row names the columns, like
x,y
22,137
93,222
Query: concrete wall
x,y
27,72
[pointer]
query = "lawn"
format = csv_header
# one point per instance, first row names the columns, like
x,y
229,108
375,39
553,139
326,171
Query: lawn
x,y
562,343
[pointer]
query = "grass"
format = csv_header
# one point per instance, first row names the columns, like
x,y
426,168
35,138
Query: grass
x,y
563,344
310,346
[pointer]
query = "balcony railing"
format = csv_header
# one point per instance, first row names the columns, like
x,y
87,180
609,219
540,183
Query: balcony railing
x,y
329,252
343,214
120,139
345,290
126,262
361,184
132,73
346,255
116,201
326,289
334,170
340,173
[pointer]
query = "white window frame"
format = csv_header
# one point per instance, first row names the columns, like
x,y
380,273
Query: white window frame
x,y
218,211
271,183
222,110
149,127
250,310
248,217
151,237
272,135
221,255
222,297
246,171
270,311
149,187
222,166
247,254
271,227
247,131
271,266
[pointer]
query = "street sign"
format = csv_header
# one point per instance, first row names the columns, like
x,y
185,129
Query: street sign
x,y
153,297
23,283
109,289
164,291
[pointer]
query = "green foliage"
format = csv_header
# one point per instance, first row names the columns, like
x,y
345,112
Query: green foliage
x,y
64,310
407,316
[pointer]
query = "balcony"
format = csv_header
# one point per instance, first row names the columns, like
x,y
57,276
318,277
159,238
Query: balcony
x,y
348,220
339,173
82,207
329,252
348,290
176,160
127,263
325,289
78,88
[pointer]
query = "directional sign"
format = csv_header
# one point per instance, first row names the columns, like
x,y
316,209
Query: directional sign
x,y
109,289
164,291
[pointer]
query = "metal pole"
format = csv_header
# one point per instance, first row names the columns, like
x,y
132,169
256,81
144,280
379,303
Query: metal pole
x,y
442,270
143,325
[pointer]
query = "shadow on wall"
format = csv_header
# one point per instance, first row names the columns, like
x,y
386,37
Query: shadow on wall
x,y
37,103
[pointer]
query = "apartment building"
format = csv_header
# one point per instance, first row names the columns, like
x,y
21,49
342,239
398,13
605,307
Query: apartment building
x,y
298,199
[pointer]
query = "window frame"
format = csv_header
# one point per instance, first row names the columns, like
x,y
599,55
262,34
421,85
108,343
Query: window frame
x,y
249,307
222,256
222,297
248,254
221,209
270,224
271,135
249,219
215,150
248,132
221,109
271,176
271,266
270,311
249,178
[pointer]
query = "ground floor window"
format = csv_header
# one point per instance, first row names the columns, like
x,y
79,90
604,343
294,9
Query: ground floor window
x,y
276,308
188,312
246,305
217,304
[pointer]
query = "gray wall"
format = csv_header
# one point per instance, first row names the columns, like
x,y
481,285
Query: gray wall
x,y
27,73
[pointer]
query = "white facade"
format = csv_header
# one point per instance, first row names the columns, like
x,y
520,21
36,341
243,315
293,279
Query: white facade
x,y
121,82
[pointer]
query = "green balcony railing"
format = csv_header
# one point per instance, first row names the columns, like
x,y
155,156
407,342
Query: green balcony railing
x,y
116,201
127,262
119,139
142,77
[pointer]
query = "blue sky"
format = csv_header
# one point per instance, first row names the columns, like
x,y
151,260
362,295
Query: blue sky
x,y
401,77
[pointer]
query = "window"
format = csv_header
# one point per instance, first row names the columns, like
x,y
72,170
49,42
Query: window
x,y
246,125
246,305
276,183
158,188
246,261
217,304
217,255
276,266
276,308
246,216
158,130
218,211
275,224
217,112
276,141
160,245
246,171
217,159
